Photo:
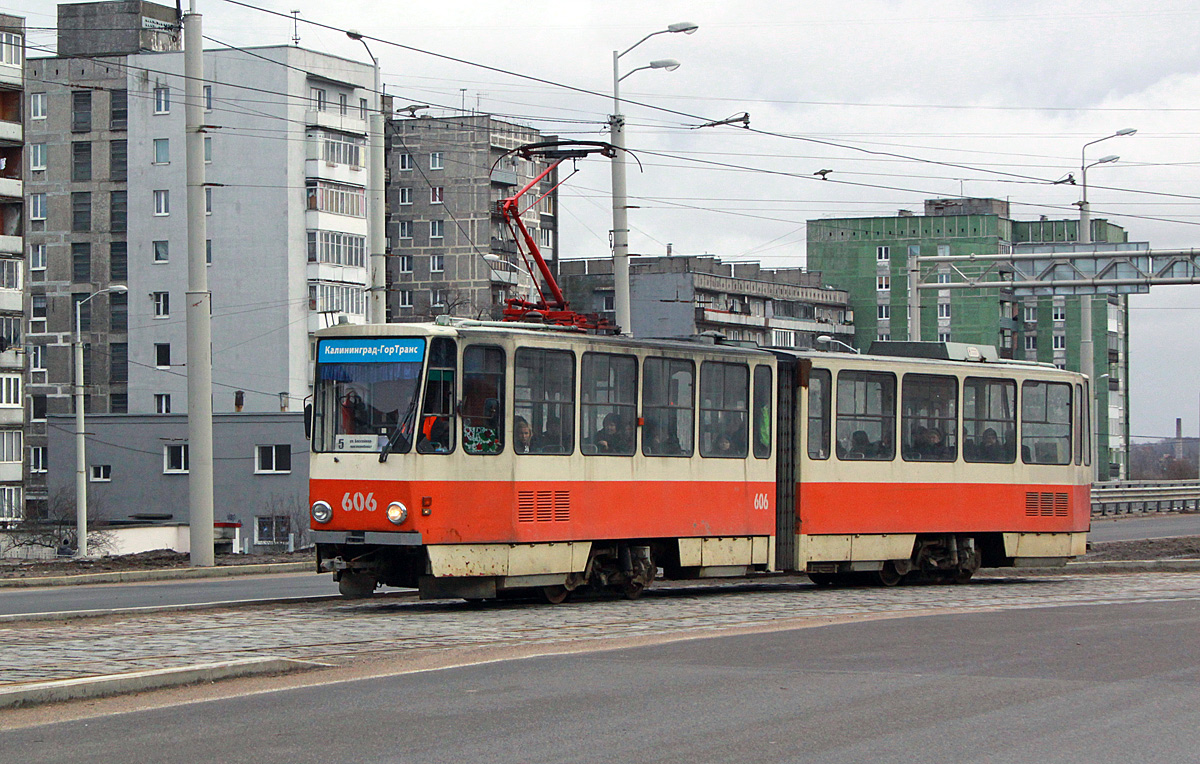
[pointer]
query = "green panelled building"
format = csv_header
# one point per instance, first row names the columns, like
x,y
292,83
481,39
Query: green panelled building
x,y
868,257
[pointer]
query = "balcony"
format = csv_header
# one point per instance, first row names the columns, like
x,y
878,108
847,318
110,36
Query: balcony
x,y
504,177
11,132
334,119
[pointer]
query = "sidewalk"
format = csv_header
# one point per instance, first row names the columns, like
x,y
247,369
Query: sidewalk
x,y
160,574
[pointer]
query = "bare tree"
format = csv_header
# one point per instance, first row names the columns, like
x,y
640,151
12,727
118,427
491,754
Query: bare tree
x,y
56,530
289,513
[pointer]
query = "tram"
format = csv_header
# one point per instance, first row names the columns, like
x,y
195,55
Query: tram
x,y
475,459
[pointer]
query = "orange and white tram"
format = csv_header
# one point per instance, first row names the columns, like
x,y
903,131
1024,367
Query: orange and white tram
x,y
470,459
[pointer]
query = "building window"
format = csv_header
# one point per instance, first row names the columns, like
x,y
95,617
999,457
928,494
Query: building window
x,y
37,257
207,149
437,229
118,109
437,298
208,101
81,262
162,355
208,251
406,230
1060,342
162,251
406,162
943,336
81,111
162,403
275,459
1059,313
337,298
37,408
338,198
317,96
883,312
37,459
406,263
1031,314
162,202
11,449
208,200
118,317
1031,342
175,458
406,298
101,473
338,148
81,211
118,403
162,304
37,358
37,106
437,263
37,206
37,314
343,104
337,248
435,161
943,310
10,329
436,194
118,261
118,160
10,274
162,151
406,195
118,211
10,502
883,283
10,391
884,336
162,100
37,156
883,254
272,530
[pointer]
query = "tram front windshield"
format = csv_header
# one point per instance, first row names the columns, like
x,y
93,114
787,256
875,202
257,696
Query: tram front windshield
x,y
365,394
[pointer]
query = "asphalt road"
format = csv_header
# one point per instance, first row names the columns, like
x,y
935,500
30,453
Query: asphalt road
x,y
1068,684
1145,527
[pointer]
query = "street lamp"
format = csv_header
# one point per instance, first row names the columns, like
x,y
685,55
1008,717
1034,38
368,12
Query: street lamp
x,y
377,276
620,196
81,531
825,339
1087,352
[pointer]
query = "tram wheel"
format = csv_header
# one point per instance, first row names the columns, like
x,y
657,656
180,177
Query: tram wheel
x,y
556,595
633,590
889,576
962,576
356,586
823,579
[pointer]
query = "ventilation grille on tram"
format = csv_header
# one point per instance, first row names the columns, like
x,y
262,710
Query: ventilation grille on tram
x,y
1045,504
543,506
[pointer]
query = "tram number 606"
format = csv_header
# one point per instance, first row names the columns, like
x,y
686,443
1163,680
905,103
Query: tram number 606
x,y
357,502
762,501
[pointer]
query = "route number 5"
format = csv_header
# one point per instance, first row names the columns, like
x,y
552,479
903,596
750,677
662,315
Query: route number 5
x,y
357,502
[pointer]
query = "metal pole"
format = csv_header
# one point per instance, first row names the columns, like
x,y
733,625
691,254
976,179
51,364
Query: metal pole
x,y
914,298
1087,350
377,313
81,531
199,307
620,207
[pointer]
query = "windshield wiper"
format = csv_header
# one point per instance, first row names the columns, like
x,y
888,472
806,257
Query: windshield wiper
x,y
398,433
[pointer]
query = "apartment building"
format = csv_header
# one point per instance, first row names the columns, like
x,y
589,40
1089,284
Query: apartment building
x,y
13,354
286,169
450,251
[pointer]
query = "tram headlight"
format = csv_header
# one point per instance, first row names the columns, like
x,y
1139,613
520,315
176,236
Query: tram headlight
x,y
322,512
397,513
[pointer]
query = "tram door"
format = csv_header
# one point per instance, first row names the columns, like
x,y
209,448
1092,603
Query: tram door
x,y
793,379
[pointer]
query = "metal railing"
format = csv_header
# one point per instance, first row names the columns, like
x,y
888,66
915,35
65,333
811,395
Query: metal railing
x,y
1120,497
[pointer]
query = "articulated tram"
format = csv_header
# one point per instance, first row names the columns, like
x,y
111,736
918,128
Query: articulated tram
x,y
474,459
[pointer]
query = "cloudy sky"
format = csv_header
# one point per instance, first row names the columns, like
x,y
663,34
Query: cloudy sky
x,y
902,100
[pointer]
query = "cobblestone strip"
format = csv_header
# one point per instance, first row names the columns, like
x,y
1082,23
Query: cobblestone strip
x,y
329,630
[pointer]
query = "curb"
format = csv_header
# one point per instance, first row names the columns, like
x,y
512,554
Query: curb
x,y
36,693
163,574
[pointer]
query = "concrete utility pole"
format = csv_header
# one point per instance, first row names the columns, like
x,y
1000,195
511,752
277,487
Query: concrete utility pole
x,y
376,238
199,305
914,298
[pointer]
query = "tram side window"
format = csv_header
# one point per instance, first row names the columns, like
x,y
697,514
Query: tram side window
x,y
1045,422
724,408
437,413
762,412
668,400
819,383
866,415
1079,424
1087,424
989,420
608,404
929,418
483,390
544,401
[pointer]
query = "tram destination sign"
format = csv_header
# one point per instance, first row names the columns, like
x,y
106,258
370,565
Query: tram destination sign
x,y
410,350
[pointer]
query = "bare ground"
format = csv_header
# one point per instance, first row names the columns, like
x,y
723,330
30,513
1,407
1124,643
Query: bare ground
x,y
155,560
1177,548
